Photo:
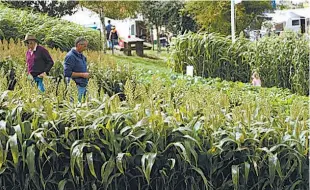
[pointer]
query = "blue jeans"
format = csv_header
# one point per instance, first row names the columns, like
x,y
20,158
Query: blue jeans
x,y
40,84
109,44
81,93
114,42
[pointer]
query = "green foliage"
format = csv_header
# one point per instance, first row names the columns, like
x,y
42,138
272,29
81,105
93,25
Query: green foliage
x,y
52,8
113,9
171,132
281,61
176,19
171,137
214,16
53,32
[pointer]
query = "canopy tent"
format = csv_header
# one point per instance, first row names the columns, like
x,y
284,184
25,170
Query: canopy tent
x,y
85,17
281,16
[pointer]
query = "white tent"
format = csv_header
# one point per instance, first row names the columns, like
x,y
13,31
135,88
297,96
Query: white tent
x,y
88,18
84,17
284,16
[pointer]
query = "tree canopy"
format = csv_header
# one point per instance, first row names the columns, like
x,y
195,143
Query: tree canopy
x,y
52,8
214,16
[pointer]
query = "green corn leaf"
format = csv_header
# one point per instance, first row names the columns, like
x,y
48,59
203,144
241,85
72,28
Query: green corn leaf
x,y
2,153
90,162
125,130
12,142
2,170
3,127
106,170
194,140
112,178
172,163
235,176
79,159
62,184
200,172
181,149
31,160
119,161
138,134
272,162
74,153
148,160
247,167
18,131
293,187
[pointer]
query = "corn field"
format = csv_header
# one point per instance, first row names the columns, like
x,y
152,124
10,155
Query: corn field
x,y
281,61
53,32
165,132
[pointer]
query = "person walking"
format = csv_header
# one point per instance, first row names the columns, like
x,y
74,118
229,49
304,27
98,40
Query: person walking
x,y
108,30
75,67
38,60
113,37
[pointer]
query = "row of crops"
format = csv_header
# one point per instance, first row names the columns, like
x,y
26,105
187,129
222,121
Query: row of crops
x,y
282,61
161,131
50,31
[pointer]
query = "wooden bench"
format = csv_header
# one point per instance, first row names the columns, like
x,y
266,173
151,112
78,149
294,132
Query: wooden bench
x,y
128,42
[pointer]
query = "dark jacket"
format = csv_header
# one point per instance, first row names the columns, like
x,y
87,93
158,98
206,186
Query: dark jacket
x,y
114,35
39,62
76,62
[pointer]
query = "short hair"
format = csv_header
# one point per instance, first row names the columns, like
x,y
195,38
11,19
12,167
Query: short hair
x,y
109,21
79,40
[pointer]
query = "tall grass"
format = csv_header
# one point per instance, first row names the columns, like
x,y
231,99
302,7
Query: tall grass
x,y
281,61
50,31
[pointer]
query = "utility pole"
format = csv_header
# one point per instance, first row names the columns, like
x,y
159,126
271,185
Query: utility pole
x,y
232,15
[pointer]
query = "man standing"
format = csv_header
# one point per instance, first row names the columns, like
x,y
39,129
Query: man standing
x,y
75,66
39,61
108,30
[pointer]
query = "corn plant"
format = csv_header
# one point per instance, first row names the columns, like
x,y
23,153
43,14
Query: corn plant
x,y
281,61
52,32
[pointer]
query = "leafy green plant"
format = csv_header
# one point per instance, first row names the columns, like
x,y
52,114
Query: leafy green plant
x,y
281,61
49,31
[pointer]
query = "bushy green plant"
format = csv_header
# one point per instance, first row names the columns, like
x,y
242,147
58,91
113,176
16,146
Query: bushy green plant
x,y
281,61
50,31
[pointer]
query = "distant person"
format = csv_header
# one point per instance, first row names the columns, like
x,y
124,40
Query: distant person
x,y
39,62
163,39
113,37
108,30
256,79
75,67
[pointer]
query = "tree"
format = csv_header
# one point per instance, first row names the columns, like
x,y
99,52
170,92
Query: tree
x,y
177,19
214,16
52,8
111,9
157,14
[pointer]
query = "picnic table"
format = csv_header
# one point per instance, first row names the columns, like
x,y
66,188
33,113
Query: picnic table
x,y
138,42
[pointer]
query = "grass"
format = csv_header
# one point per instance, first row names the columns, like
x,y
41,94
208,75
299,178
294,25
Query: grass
x,y
152,61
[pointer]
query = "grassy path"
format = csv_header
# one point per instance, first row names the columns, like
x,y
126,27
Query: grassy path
x,y
152,60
